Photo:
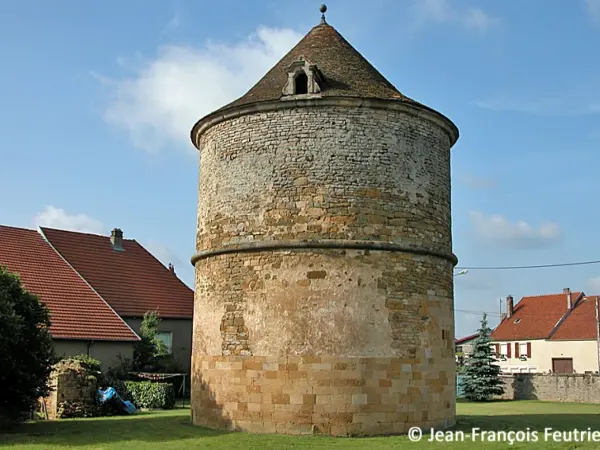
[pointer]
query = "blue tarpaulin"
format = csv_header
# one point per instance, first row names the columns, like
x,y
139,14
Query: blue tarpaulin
x,y
111,393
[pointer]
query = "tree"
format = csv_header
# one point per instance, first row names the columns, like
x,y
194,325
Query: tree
x,y
26,349
481,374
150,349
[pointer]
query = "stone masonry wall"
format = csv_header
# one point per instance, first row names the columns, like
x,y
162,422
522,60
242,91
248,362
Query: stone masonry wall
x,y
73,391
319,395
577,388
324,173
317,175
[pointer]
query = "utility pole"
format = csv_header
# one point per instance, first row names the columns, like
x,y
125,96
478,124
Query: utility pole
x,y
598,332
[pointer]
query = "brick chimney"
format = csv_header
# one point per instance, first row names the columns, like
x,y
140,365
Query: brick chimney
x,y
567,291
172,268
509,306
116,239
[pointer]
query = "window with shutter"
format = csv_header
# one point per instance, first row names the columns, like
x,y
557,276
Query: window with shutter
x,y
523,349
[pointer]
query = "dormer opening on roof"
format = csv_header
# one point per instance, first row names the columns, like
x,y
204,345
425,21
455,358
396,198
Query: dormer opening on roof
x,y
303,78
300,83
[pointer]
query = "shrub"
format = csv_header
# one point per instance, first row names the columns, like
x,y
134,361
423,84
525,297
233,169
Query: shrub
x,y
26,349
146,394
120,371
168,364
87,361
150,348
93,366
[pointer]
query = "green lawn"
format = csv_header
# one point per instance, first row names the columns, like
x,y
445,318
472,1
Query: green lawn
x,y
172,429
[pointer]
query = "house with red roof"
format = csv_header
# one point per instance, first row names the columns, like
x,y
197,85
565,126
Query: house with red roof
x,y
98,289
549,333
464,345
81,320
463,348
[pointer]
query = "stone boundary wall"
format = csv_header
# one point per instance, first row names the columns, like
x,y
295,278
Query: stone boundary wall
x,y
319,395
73,391
579,388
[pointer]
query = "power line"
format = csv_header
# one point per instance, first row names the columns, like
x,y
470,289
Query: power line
x,y
538,266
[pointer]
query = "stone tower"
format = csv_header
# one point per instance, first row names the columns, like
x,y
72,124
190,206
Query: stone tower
x,y
324,264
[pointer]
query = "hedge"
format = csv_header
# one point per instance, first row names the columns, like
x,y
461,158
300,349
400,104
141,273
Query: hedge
x,y
146,394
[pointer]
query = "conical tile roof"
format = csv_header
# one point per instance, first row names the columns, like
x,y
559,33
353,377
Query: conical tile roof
x,y
345,71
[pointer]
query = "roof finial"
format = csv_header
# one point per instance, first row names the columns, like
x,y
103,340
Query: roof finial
x,y
323,9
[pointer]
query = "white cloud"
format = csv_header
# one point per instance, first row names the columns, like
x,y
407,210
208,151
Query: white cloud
x,y
442,11
53,217
160,103
497,229
593,7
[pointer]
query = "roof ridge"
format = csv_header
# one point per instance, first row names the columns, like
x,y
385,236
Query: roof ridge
x,y
161,263
86,233
74,232
19,228
550,295
88,284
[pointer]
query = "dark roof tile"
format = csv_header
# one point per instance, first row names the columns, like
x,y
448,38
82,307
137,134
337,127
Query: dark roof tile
x,y
346,72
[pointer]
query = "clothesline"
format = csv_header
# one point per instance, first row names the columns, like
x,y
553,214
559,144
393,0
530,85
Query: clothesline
x,y
157,376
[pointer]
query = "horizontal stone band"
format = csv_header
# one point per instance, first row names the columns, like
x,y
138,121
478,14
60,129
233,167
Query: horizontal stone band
x,y
351,102
262,246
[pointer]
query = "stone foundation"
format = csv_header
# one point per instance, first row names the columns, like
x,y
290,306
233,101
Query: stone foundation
x,y
320,395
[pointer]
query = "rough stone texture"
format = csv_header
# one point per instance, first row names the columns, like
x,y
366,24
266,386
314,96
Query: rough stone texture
x,y
324,173
319,395
334,341
577,388
73,391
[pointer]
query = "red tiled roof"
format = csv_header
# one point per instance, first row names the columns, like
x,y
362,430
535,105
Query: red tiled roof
x,y
131,281
77,312
534,317
580,324
466,338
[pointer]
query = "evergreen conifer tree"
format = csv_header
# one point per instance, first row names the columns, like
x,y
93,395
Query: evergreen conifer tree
x,y
482,374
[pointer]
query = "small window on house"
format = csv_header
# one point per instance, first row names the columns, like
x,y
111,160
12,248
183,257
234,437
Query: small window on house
x,y
517,320
301,84
523,349
167,338
504,349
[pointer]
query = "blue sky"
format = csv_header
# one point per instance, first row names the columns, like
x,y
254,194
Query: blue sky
x,y
97,102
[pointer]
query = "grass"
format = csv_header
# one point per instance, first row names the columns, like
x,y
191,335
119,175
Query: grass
x,y
166,430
